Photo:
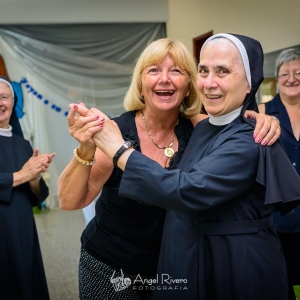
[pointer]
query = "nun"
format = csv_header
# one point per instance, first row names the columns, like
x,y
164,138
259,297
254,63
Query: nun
x,y
219,241
22,274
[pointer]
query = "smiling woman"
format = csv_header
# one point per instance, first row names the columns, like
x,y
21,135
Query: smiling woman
x,y
164,85
222,82
218,236
6,104
127,234
286,107
21,187
164,81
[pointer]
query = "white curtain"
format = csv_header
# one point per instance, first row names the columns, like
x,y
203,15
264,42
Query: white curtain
x,y
62,64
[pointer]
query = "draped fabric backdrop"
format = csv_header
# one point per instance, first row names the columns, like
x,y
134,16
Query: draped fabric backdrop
x,y
61,64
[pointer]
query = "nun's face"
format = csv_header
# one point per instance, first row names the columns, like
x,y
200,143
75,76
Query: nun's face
x,y
221,78
6,105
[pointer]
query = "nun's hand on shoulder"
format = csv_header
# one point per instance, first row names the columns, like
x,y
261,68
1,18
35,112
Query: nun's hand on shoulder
x,y
267,129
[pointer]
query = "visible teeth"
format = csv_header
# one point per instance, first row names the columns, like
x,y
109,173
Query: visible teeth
x,y
213,96
165,92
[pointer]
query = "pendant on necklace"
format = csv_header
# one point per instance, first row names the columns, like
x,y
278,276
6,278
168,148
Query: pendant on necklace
x,y
169,152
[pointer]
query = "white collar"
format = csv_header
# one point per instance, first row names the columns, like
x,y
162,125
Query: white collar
x,y
225,119
6,131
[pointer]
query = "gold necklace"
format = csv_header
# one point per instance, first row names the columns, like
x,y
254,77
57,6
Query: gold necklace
x,y
168,150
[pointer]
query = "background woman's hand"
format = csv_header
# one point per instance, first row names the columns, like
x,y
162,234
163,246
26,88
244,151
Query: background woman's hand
x,y
36,165
267,129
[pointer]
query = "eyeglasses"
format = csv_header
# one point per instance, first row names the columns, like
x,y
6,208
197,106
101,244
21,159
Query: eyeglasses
x,y
286,76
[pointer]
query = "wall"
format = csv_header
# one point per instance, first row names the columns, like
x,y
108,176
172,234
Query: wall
x,y
82,11
274,23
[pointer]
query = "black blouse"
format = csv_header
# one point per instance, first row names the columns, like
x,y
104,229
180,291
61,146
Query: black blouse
x,y
289,223
124,233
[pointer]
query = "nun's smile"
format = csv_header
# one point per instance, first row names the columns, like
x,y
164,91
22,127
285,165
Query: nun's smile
x,y
213,96
6,104
222,81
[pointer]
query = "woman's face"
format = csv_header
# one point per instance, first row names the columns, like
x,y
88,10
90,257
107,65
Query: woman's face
x,y
164,85
288,85
221,78
6,105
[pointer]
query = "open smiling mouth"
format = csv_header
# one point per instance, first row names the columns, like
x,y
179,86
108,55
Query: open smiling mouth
x,y
164,93
213,96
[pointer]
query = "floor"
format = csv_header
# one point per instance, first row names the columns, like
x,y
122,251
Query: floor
x,y
59,233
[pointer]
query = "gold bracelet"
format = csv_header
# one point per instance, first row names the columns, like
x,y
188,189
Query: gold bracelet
x,y
82,161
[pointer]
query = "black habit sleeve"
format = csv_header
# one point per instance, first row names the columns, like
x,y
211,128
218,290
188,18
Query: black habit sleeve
x,y
6,181
227,171
6,189
14,153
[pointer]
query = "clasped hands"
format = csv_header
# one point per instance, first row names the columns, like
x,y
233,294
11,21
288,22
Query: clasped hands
x,y
85,126
36,165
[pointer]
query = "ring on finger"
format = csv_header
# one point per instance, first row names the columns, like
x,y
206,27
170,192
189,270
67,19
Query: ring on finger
x,y
276,119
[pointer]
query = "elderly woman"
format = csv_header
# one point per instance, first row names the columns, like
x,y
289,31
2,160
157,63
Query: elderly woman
x,y
218,241
22,273
124,238
286,107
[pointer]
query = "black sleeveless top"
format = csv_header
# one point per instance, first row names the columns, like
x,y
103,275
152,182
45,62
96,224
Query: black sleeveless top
x,y
126,234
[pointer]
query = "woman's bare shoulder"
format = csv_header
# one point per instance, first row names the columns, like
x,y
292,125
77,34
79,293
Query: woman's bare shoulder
x,y
198,118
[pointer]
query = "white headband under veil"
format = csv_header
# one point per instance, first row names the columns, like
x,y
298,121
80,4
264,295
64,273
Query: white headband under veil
x,y
240,46
11,88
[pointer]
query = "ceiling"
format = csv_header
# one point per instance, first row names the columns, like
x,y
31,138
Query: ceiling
x,y
82,12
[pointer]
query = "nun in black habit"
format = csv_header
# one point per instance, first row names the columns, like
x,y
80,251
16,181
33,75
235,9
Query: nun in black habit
x,y
22,273
219,241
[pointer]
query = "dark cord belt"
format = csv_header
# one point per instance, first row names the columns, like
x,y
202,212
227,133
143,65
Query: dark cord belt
x,y
237,227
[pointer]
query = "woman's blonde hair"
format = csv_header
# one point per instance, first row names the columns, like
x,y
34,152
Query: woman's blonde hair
x,y
155,53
